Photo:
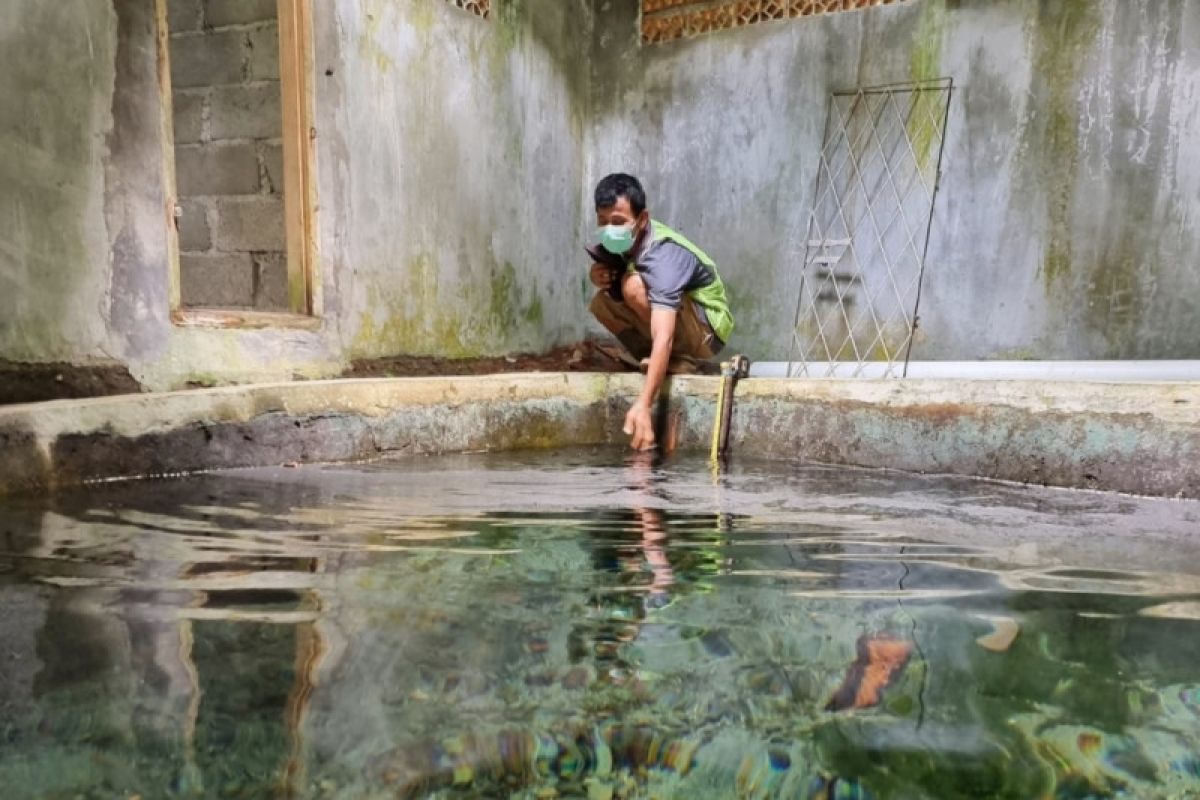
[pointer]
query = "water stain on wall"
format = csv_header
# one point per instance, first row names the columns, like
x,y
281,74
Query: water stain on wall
x,y
1063,33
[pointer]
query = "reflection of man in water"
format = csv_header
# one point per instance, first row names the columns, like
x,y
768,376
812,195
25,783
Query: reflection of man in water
x,y
654,548
621,604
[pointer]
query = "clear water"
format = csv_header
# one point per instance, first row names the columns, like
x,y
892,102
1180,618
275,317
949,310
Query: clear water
x,y
586,625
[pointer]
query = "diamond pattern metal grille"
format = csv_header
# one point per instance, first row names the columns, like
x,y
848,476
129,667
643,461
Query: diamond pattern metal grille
x,y
666,20
867,235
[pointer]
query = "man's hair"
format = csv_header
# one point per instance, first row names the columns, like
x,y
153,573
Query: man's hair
x,y
618,185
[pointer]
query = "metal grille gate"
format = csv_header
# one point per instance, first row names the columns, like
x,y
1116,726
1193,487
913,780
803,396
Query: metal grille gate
x,y
868,233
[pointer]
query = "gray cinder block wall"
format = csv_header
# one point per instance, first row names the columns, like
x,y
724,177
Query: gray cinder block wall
x,y
228,154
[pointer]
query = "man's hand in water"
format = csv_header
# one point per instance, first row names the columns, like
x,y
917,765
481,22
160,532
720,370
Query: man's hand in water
x,y
639,427
602,275
638,424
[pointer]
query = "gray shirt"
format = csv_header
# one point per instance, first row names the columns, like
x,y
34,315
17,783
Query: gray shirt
x,y
670,271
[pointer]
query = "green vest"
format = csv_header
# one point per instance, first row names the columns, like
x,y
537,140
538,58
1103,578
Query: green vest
x,y
711,298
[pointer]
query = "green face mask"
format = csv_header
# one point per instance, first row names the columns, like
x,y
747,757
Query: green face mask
x,y
616,239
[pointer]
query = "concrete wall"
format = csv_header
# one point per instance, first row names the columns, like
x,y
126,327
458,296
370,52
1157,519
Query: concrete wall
x,y
1063,228
55,107
228,126
449,161
455,157
451,164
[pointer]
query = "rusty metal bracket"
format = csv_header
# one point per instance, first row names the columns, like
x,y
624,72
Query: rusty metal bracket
x,y
732,371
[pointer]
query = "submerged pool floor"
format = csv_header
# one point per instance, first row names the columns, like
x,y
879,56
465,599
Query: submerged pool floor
x,y
591,624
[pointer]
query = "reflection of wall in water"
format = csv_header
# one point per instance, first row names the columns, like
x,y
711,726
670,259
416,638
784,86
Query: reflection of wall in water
x,y
120,653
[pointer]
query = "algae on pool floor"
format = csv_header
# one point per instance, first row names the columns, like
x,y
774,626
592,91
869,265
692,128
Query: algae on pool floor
x,y
583,624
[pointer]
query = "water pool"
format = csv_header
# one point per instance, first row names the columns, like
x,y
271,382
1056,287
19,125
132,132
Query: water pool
x,y
587,624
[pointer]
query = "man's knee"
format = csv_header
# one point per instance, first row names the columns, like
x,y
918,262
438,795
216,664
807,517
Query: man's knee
x,y
633,287
597,305
605,309
633,290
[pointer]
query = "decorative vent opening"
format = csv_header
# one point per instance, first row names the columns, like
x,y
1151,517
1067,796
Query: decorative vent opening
x,y
666,20
481,7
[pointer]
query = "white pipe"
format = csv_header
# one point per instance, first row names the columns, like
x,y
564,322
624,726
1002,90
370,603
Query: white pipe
x,y
1102,371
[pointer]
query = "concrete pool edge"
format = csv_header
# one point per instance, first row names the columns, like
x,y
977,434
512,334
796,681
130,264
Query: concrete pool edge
x,y
1135,438
44,446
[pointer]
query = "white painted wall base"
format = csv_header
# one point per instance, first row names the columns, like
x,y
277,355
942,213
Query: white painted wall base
x,y
1103,371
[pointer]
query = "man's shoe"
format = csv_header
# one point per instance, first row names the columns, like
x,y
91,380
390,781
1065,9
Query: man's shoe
x,y
619,354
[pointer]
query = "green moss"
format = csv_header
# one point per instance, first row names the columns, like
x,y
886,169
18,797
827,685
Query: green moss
x,y
1114,300
751,285
533,312
926,58
508,21
1017,354
925,64
901,706
508,311
411,319
1133,252
419,316
200,380
423,17
1063,31
368,44
503,286
501,311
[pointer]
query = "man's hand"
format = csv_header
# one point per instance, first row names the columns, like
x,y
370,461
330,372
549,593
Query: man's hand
x,y
637,422
639,426
602,275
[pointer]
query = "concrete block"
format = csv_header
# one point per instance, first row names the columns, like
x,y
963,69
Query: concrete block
x,y
238,12
216,168
184,15
193,226
246,112
250,223
188,109
209,59
262,45
271,281
272,159
216,280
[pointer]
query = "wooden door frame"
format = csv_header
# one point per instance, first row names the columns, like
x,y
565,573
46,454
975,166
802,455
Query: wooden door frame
x,y
295,86
295,72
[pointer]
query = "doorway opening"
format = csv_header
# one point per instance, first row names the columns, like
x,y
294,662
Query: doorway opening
x,y
235,80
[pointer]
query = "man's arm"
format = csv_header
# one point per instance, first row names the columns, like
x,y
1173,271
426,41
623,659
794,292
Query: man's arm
x,y
638,422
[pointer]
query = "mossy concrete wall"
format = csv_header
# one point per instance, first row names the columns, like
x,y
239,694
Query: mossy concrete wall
x,y
449,165
455,157
1139,438
452,161
1064,227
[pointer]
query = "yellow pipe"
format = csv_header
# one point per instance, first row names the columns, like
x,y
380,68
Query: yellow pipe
x,y
714,453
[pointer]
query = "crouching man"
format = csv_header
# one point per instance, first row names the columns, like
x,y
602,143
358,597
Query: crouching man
x,y
660,295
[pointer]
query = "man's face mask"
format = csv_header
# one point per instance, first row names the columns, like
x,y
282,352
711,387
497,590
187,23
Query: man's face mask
x,y
616,239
